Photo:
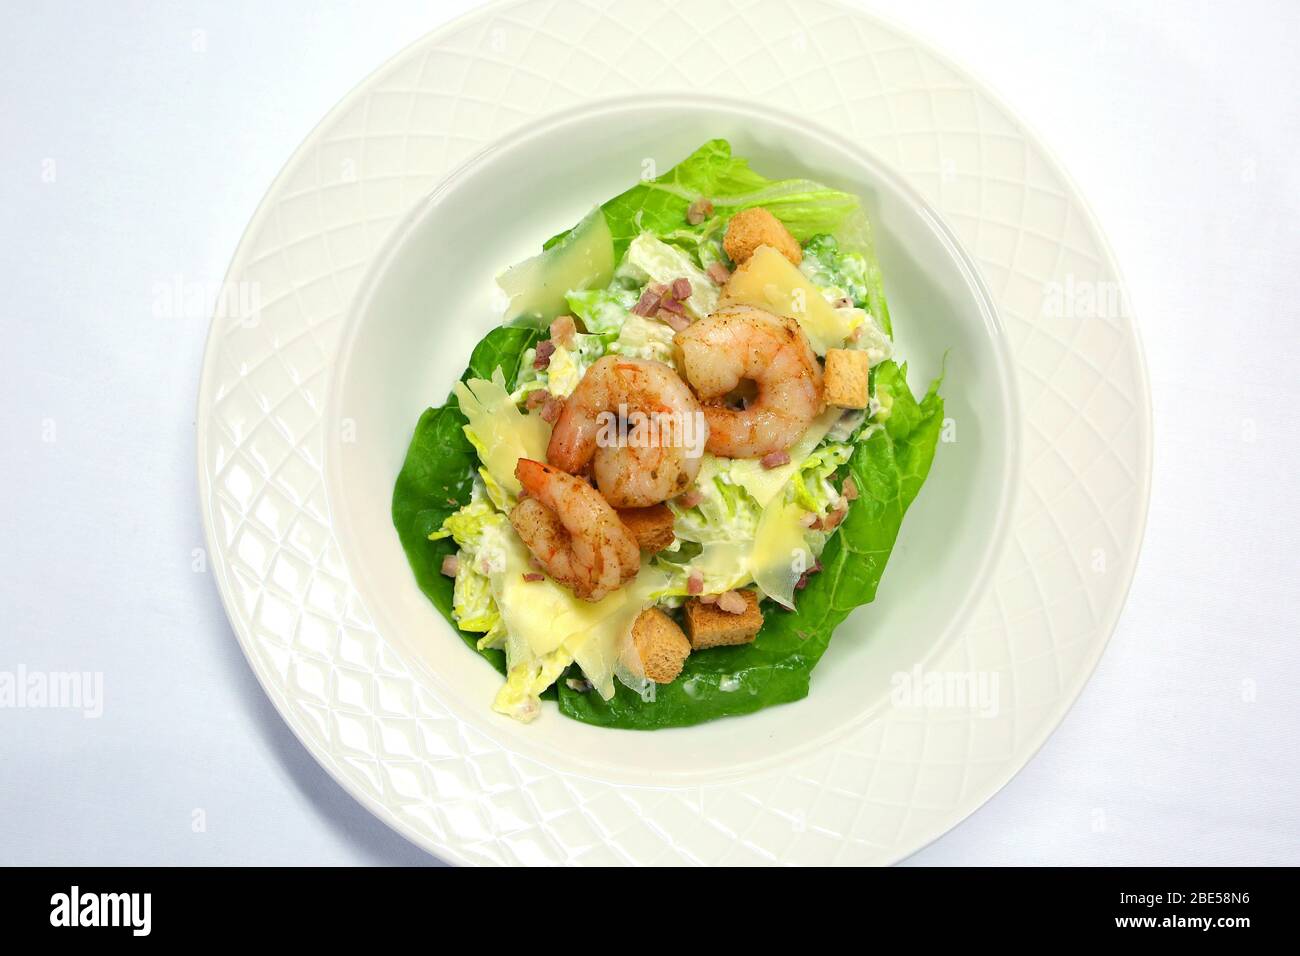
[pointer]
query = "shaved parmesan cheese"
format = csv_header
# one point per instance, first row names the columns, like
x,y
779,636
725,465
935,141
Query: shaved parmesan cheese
x,y
499,431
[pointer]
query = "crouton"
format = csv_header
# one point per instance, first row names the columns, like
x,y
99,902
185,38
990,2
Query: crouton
x,y
661,645
652,527
845,381
710,626
751,228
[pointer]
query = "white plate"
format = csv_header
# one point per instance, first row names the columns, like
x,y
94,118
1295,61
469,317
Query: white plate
x,y
1012,566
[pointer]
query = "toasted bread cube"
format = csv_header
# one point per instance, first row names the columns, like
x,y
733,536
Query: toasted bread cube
x,y
709,626
845,381
652,527
751,228
661,645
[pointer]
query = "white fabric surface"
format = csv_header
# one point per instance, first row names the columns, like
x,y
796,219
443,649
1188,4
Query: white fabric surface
x,y
137,139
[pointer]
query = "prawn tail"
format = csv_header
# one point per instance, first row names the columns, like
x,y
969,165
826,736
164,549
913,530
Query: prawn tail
x,y
532,475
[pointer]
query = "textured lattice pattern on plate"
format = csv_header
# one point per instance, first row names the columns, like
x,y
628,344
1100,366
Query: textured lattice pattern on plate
x,y
890,786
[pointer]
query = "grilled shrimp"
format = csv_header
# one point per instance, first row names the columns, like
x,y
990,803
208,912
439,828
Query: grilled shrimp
x,y
639,427
573,532
742,344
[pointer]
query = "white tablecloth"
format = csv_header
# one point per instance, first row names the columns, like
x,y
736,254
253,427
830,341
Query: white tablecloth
x,y
139,137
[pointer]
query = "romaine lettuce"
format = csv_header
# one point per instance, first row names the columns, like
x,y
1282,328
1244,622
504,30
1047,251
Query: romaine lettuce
x,y
603,311
472,600
565,369
659,205
644,338
650,259
711,172
437,478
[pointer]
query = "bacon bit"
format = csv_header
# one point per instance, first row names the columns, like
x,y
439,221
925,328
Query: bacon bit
x,y
536,398
648,304
850,489
803,578
563,329
699,211
672,305
809,520
545,349
718,273
775,459
450,565
681,289
833,519
731,602
673,320
532,576
708,599
695,583
658,288
552,409
690,499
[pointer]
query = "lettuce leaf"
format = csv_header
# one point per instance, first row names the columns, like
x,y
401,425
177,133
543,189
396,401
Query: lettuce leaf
x,y
437,476
659,205
888,468
603,311
855,252
471,527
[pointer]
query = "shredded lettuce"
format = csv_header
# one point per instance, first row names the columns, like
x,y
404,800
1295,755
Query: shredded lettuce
x,y
476,528
650,259
838,273
844,275
564,371
725,512
644,338
810,486
855,243
603,311
521,695
739,538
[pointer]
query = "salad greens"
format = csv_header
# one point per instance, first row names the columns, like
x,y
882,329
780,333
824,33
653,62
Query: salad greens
x,y
437,478
456,484
659,205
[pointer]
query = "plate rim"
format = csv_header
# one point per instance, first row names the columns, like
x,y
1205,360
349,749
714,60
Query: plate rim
x,y
449,850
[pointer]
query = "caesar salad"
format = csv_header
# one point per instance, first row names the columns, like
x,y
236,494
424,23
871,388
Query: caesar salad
x,y
680,461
